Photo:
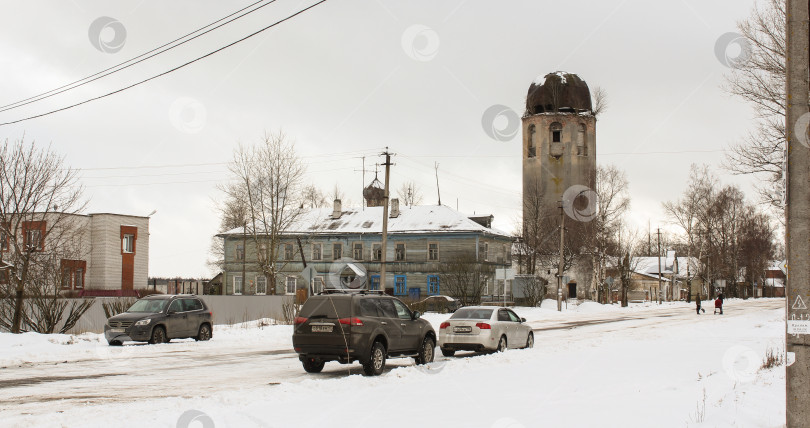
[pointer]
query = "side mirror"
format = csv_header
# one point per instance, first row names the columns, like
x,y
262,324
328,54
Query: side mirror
x,y
415,316
523,320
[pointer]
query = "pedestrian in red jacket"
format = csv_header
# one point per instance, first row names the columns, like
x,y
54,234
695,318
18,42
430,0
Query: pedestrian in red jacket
x,y
718,305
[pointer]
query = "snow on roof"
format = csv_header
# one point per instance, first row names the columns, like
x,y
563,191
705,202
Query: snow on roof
x,y
649,265
541,79
415,219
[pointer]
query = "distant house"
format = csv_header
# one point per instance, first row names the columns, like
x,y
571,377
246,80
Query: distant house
x,y
106,254
775,280
674,277
335,241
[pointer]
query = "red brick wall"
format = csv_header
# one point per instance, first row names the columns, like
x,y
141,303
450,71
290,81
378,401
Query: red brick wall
x,y
128,259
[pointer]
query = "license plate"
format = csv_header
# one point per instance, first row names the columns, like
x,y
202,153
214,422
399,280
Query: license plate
x,y
116,330
322,328
462,329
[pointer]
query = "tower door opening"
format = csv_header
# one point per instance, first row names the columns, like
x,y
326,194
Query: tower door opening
x,y
572,290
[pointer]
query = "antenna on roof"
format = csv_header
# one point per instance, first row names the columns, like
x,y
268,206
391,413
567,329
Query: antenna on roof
x,y
436,166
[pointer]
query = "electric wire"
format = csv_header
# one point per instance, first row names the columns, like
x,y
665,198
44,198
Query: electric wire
x,y
170,70
115,68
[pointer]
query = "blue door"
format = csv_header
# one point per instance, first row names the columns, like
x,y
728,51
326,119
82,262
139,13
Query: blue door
x,y
414,293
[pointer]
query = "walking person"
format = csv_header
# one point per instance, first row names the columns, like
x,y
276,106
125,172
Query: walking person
x,y
718,305
697,304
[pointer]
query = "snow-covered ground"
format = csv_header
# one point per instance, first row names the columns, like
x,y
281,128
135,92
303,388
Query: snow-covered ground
x,y
593,365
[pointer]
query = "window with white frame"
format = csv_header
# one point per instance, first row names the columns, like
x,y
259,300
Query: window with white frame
x,y
33,239
240,252
399,252
337,251
433,251
376,252
318,284
357,251
290,285
483,249
129,243
289,252
316,251
261,284
237,285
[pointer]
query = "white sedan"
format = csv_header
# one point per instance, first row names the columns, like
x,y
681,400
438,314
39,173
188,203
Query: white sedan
x,y
484,328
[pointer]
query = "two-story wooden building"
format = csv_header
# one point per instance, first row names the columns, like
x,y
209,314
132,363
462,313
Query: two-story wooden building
x,y
420,239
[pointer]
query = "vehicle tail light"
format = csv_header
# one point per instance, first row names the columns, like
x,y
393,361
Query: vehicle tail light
x,y
484,326
300,320
351,321
444,325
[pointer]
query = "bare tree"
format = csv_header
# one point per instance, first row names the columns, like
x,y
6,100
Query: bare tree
x,y
760,80
39,197
313,198
233,213
268,179
410,194
465,278
614,200
600,101
627,260
690,209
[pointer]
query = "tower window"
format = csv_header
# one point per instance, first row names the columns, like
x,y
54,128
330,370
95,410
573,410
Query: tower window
x,y
532,148
582,142
555,145
556,132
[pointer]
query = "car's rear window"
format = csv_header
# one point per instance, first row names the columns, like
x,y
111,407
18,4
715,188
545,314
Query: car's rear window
x,y
327,307
473,314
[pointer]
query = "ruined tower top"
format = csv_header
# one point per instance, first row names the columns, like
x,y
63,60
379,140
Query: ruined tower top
x,y
558,92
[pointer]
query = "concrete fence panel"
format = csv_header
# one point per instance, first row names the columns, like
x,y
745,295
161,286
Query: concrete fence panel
x,y
226,309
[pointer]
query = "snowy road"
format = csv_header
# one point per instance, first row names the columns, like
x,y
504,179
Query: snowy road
x,y
241,360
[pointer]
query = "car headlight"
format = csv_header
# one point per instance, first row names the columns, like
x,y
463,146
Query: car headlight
x,y
143,322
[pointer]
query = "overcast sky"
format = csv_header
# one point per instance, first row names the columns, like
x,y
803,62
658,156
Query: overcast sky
x,y
347,79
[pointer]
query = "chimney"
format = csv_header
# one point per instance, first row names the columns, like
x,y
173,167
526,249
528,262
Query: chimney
x,y
394,208
337,211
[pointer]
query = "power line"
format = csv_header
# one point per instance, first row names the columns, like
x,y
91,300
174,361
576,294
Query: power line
x,y
170,70
185,165
129,62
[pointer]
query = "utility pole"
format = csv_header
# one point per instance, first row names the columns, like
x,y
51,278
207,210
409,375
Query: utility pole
x,y
384,244
561,265
244,257
659,265
797,215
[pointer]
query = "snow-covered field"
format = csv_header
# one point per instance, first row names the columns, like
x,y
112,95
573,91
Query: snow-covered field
x,y
592,365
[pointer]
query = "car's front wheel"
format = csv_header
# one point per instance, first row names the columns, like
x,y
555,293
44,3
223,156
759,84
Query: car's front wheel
x,y
313,365
204,333
374,364
158,335
426,351
530,341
